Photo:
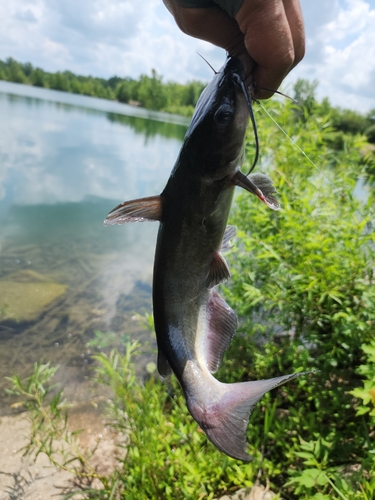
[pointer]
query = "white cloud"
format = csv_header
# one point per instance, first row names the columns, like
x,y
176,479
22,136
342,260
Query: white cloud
x,y
95,21
341,53
316,16
351,19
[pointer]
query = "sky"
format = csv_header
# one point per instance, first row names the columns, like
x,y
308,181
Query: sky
x,y
128,38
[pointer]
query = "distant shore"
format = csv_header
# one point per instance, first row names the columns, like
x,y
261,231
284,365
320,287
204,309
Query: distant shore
x,y
150,92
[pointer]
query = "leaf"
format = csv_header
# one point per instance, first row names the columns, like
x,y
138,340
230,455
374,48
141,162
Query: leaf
x,y
362,410
310,478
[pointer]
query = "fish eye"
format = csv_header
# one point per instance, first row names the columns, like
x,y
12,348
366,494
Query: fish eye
x,y
224,115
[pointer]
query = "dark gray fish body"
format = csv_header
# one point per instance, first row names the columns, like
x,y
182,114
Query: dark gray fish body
x,y
193,324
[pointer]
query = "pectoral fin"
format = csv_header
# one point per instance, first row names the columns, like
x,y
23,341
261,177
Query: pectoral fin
x,y
140,210
260,185
265,184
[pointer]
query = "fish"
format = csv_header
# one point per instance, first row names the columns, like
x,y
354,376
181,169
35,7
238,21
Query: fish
x,y
194,325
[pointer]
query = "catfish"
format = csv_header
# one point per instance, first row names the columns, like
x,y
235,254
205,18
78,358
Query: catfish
x,y
194,325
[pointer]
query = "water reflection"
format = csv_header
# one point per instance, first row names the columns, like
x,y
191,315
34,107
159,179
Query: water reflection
x,y
149,128
64,276
52,155
89,103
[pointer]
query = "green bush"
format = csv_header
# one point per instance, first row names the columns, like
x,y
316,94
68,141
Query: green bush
x,y
303,285
167,456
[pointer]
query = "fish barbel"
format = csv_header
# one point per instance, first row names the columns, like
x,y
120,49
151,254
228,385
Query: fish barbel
x,y
194,325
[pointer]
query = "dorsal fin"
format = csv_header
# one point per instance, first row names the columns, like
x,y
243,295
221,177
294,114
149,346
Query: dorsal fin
x,y
221,327
140,210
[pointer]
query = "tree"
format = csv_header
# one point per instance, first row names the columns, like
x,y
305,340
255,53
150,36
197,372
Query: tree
x,y
151,92
38,78
16,73
58,81
370,126
127,90
192,91
114,81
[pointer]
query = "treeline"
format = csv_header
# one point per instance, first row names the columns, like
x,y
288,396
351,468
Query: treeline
x,y
152,93
147,91
345,121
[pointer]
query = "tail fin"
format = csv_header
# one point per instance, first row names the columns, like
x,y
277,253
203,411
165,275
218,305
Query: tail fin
x,y
225,422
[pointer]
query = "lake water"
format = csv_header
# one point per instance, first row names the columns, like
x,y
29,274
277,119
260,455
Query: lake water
x,y
65,162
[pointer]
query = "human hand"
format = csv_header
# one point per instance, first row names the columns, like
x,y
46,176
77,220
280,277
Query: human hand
x,y
267,35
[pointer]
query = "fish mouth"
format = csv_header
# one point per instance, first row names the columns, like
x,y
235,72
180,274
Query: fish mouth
x,y
234,65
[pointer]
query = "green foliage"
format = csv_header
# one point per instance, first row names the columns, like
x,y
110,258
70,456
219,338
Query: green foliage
x,y
370,130
151,92
126,90
164,454
303,285
38,78
367,393
15,71
344,121
167,456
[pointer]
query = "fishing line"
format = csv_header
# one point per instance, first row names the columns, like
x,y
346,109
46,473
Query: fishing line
x,y
248,100
313,164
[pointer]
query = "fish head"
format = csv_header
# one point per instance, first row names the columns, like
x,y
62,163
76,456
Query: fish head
x,y
218,126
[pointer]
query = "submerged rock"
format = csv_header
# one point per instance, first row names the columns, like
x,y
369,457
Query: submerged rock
x,y
25,294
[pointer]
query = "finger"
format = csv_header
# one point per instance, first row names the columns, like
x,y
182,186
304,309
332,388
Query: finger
x,y
268,39
213,25
210,24
295,19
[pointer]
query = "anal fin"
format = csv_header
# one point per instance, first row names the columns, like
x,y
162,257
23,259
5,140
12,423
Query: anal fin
x,y
221,327
140,210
